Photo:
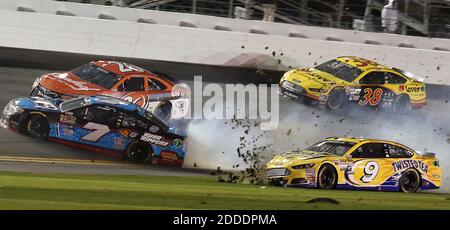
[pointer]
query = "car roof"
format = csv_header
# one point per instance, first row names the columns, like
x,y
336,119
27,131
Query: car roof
x,y
122,68
363,140
356,62
113,102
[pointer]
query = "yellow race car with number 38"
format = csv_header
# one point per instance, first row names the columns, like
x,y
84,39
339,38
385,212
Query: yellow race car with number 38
x,y
356,163
333,83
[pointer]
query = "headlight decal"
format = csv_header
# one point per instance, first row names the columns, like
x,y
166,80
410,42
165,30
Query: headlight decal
x,y
303,166
12,109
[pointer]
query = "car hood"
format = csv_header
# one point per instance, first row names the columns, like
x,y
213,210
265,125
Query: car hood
x,y
311,77
68,83
294,158
178,131
37,103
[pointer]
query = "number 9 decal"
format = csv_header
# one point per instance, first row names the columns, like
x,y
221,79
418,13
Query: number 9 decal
x,y
370,172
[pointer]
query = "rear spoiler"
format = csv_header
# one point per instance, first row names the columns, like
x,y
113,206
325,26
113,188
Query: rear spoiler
x,y
429,155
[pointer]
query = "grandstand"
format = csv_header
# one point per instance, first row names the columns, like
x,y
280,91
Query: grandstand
x,y
416,17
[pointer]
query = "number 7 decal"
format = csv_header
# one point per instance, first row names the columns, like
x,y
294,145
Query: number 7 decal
x,y
98,131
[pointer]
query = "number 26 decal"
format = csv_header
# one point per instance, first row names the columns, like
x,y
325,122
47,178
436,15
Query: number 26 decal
x,y
370,171
124,67
371,97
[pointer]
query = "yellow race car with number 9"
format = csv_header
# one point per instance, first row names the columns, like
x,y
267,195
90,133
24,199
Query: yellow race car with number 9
x,y
333,83
356,163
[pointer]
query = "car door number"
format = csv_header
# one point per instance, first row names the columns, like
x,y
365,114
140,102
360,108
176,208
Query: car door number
x,y
371,97
97,131
124,67
370,171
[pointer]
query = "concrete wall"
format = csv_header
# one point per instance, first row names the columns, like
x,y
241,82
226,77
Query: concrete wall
x,y
201,45
210,22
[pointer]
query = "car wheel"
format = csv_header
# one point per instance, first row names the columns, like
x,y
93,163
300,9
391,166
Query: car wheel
x,y
401,104
327,177
164,110
410,181
138,152
38,126
336,99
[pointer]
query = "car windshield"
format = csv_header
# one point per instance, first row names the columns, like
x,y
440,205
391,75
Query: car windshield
x,y
150,116
340,69
331,147
72,104
96,75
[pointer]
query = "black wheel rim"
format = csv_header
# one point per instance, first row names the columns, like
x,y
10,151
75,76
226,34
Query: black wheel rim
x,y
327,178
409,181
137,154
37,128
335,100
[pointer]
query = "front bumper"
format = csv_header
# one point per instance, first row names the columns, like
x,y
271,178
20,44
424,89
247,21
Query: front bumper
x,y
292,177
294,91
290,89
4,123
10,121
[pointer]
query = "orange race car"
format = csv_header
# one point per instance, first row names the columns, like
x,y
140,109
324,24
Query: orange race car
x,y
117,79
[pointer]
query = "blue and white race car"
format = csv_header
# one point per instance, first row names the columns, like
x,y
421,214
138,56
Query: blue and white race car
x,y
100,124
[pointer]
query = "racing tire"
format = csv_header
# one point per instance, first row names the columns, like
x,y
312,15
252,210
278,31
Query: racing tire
x,y
138,152
37,126
409,182
401,104
336,99
327,177
164,110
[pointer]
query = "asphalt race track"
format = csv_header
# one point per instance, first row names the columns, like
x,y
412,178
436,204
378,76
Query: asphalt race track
x,y
427,129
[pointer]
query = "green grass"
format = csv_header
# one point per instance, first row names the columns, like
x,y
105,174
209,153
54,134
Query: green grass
x,y
66,191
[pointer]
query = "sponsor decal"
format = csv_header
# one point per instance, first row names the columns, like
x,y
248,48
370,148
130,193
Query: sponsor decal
x,y
68,131
154,129
177,142
404,164
401,88
154,139
180,90
414,89
343,165
118,143
128,133
69,119
436,163
169,156
310,171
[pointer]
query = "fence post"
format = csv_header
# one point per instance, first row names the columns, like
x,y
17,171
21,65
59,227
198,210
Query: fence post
x,y
230,9
194,6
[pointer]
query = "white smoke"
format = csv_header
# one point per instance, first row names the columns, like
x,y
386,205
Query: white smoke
x,y
213,143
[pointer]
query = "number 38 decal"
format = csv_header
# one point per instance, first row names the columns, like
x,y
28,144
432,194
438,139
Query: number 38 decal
x,y
371,97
